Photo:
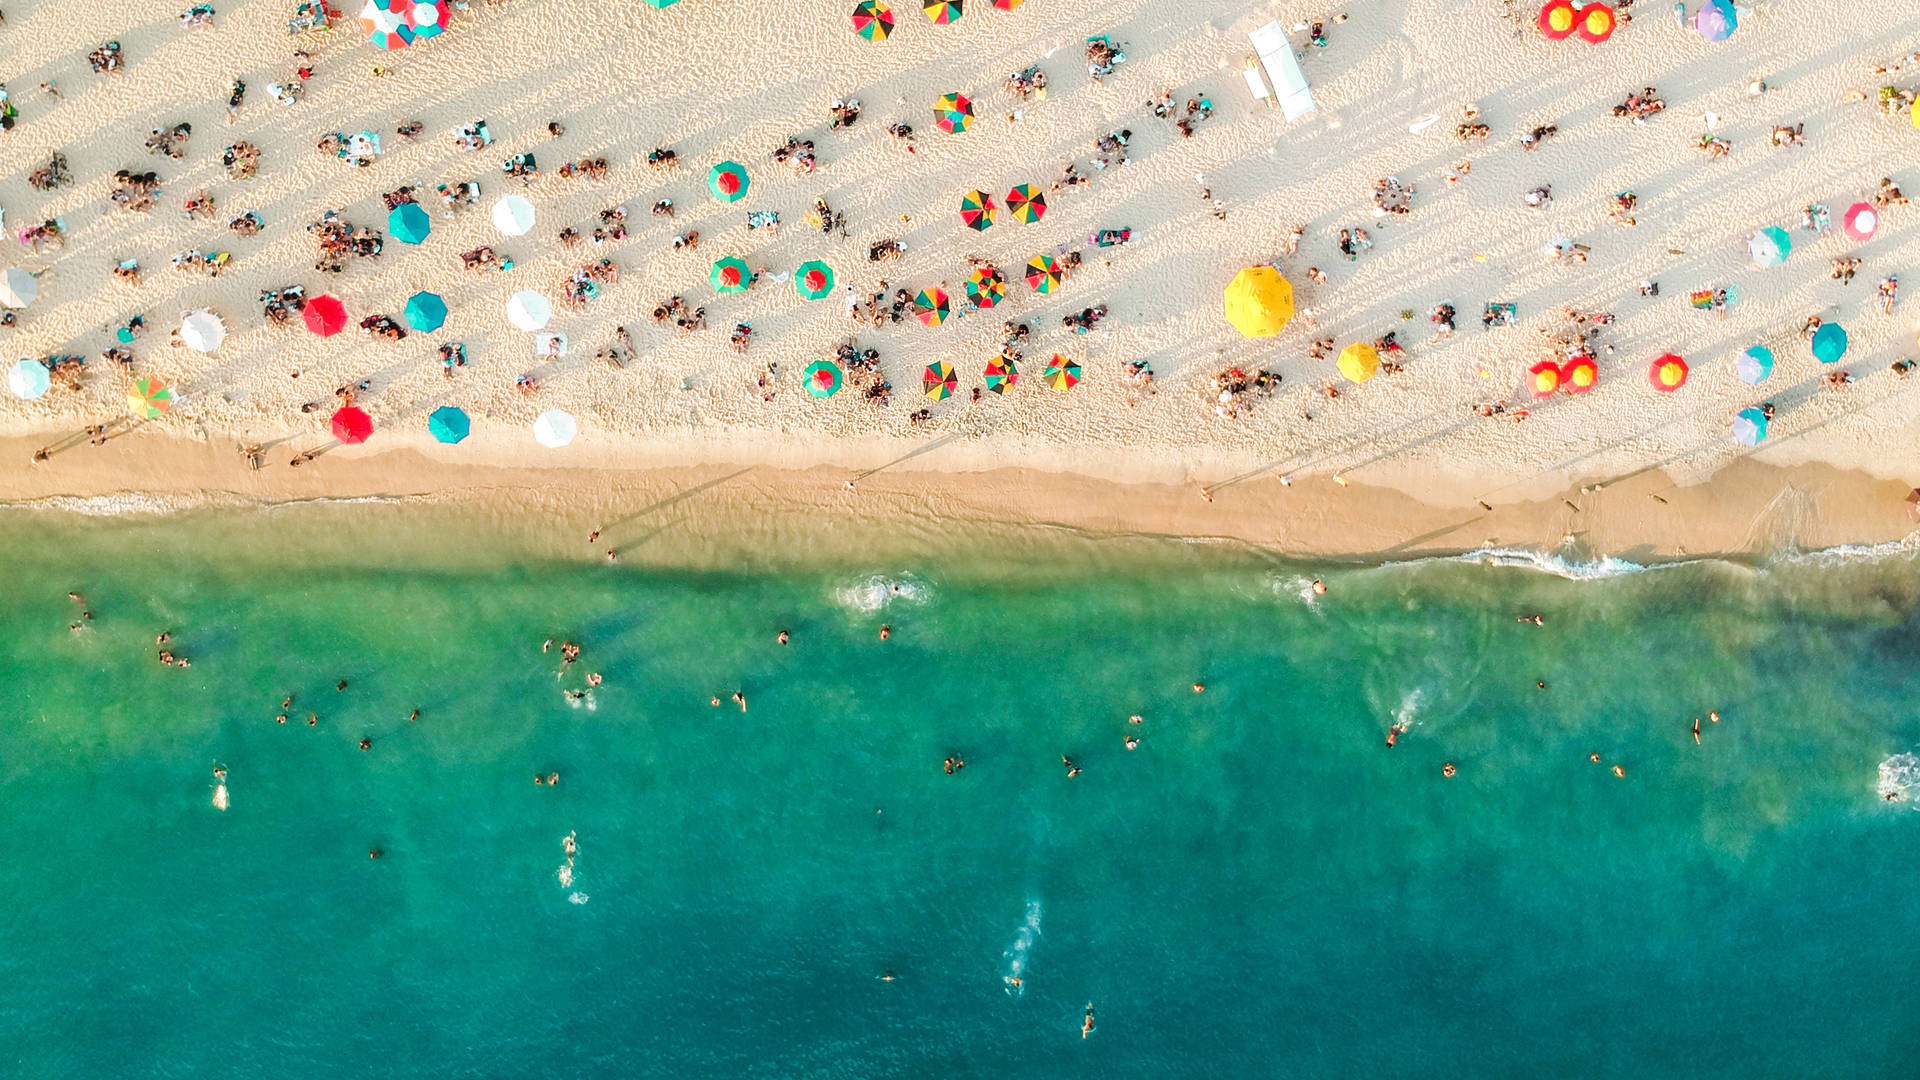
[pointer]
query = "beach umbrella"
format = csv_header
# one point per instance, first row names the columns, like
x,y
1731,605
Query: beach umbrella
x,y
202,330
727,181
814,280
1258,302
513,215
823,378
1754,365
942,12
1769,246
1001,375
1579,374
18,288
1750,426
1557,19
529,310
1829,343
1859,221
386,24
1359,361
430,18
940,380
425,312
409,223
1716,20
325,315
658,4
931,306
1913,114
1061,373
29,379
1668,373
1545,378
952,113
448,424
1043,273
1028,203
729,275
1596,23
985,287
149,398
554,428
351,424
873,20
976,210
1008,5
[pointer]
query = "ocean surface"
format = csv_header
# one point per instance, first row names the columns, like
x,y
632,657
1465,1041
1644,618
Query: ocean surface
x,y
1262,888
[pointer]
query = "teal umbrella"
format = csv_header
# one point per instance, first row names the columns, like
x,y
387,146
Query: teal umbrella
x,y
1829,343
1769,246
1750,426
426,311
1754,365
448,424
663,3
409,224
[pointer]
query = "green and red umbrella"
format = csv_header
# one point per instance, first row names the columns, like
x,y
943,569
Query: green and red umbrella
x,y
1061,373
931,306
149,398
942,12
730,275
727,181
1043,273
953,112
977,210
814,280
985,286
940,380
873,20
1028,203
1001,375
823,378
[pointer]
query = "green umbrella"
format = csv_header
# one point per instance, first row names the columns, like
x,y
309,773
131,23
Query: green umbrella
x,y
727,181
448,424
409,224
814,280
823,378
730,275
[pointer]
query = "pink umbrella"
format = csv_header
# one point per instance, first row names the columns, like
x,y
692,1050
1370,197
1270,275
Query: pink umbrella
x,y
1859,221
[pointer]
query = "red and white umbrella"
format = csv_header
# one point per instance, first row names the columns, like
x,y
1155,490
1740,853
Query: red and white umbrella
x,y
1860,220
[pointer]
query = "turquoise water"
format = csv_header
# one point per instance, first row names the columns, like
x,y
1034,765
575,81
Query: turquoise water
x,y
1261,889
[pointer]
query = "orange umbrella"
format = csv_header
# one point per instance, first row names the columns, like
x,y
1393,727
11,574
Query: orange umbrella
x,y
1546,378
1579,374
1669,373
1596,23
1557,19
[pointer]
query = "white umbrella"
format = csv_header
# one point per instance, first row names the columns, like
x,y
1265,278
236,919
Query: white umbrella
x,y
513,215
554,428
17,288
528,310
202,330
28,379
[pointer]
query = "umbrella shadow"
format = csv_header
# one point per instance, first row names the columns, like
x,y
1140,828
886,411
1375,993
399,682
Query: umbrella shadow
x,y
675,499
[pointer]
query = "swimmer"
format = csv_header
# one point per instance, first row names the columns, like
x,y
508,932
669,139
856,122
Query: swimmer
x,y
76,598
613,554
1537,620
366,744
740,699
282,718
287,702
592,536
1086,1028
1594,757
1072,769
1136,718
1696,731
165,656
341,685
414,715
887,976
219,772
313,719
539,780
1199,688
1448,770
162,638
715,702
782,637
953,764
1618,771
1319,587
1394,732
1013,984
886,632
546,646
1540,685
567,845
374,853
593,678
1133,742
553,779
1713,716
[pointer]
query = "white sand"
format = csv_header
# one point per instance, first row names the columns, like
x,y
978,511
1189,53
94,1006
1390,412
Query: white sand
x,y
715,79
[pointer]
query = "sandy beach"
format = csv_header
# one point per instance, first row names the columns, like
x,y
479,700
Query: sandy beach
x,y
716,81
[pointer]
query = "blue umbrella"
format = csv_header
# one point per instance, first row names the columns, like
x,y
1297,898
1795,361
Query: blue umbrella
x,y
409,224
448,424
1769,246
1829,343
426,311
1754,365
1716,20
1750,426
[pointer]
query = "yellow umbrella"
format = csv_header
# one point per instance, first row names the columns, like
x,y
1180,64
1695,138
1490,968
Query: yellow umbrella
x,y
1915,112
1259,301
1359,361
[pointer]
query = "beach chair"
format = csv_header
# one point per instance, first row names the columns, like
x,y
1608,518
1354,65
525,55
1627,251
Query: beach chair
x,y
1283,69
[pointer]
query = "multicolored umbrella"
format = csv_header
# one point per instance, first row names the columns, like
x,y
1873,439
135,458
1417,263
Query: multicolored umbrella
x,y
386,24
1829,343
1769,246
448,424
873,20
1008,5
425,312
29,379
728,181
1258,302
1028,203
985,287
1557,19
554,428
149,398
18,287
953,113
1716,20
431,18
1859,222
977,210
351,424
940,380
814,280
1754,365
1579,374
729,275
1668,373
1359,361
1596,23
1043,273
1001,375
931,306
325,315
409,223
1750,426
942,12
823,378
1544,378
1061,373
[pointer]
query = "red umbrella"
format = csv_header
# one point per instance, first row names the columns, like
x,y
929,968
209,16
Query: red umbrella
x,y
1668,373
325,315
352,425
1546,378
1579,374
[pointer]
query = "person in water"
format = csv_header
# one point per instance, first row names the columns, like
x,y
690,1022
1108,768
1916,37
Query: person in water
x,y
740,699
782,637
1448,770
886,632
1395,731
366,744
1086,1027
1072,769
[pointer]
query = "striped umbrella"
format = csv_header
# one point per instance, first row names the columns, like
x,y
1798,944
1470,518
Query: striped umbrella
x,y
1061,373
1043,273
1001,375
931,306
727,181
953,113
1668,373
873,20
1028,203
985,287
351,424
1750,426
150,398
1769,246
977,210
943,12
1754,365
448,424
386,24
823,378
425,312
814,280
729,275
940,380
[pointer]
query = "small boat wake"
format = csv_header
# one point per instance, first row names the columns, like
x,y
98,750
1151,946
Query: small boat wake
x,y
1023,940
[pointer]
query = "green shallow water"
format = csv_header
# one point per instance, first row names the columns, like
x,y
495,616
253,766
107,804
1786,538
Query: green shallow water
x,y
1261,889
